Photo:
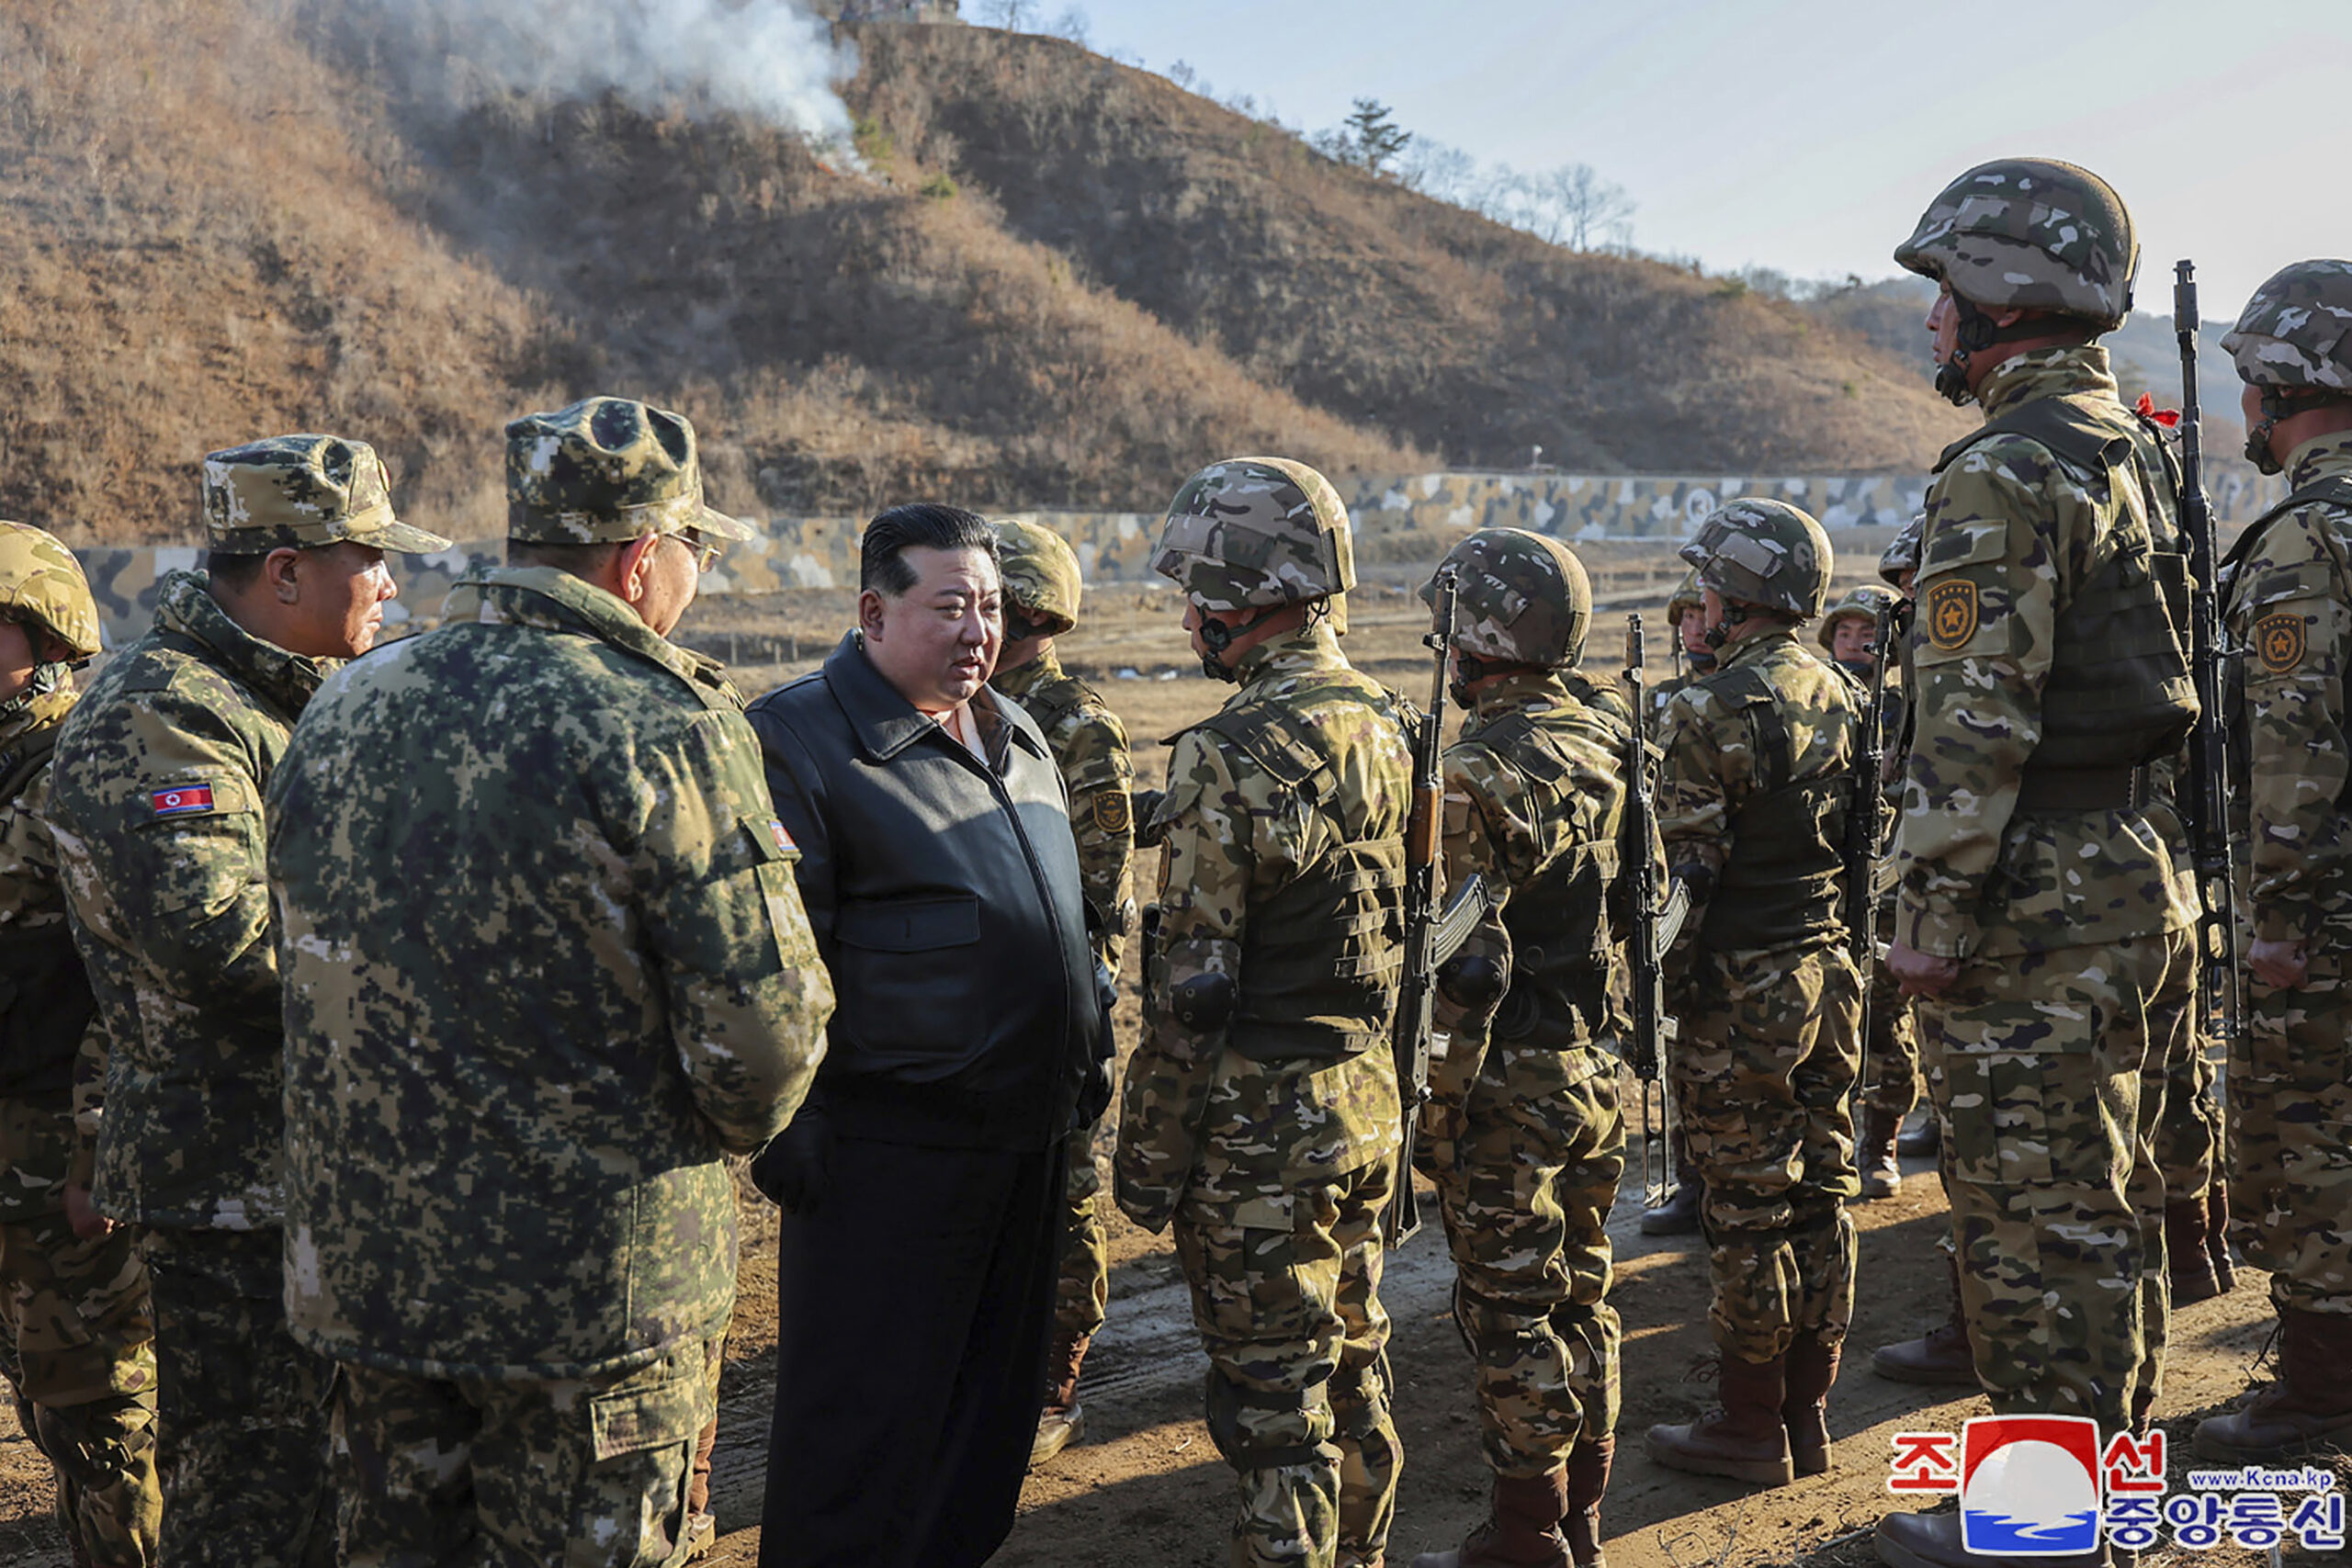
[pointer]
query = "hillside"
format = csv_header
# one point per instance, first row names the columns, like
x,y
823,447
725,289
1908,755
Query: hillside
x,y
1058,282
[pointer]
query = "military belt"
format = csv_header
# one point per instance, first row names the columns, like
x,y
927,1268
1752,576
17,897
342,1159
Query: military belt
x,y
2083,789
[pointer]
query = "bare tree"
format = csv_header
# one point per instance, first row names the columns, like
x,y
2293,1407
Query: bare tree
x,y
1012,15
1590,211
1072,25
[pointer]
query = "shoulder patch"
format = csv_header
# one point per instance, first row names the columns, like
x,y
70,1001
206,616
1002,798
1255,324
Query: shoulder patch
x,y
1951,614
2279,640
1112,811
782,839
191,799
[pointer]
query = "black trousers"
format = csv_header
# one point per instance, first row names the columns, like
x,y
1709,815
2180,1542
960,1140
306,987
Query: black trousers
x,y
915,1306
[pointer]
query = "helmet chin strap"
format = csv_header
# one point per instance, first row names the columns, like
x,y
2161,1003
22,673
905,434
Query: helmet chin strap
x,y
1719,632
1977,332
1216,636
2257,436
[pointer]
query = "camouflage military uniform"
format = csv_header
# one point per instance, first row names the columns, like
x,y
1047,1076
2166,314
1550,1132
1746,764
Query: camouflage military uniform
x,y
2057,912
1260,1108
1090,746
1525,1133
1768,1052
77,1327
536,902
172,916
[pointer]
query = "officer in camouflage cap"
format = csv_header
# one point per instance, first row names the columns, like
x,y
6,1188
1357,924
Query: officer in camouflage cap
x,y
1090,745
155,800
595,942
1523,1131
1752,805
76,1326
1260,1108
2289,612
2014,243
2039,904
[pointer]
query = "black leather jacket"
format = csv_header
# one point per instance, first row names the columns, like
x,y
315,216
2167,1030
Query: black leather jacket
x,y
944,895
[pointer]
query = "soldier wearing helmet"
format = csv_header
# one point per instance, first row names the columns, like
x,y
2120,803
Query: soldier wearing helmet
x,y
77,1327
2039,903
1523,1131
1090,745
1752,806
156,800
2290,610
1261,1107
1693,658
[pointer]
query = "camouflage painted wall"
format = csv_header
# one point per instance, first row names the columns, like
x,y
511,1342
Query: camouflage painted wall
x,y
1114,547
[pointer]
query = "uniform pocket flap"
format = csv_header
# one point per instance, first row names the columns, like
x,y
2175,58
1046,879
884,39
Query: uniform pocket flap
x,y
635,1420
2305,580
910,925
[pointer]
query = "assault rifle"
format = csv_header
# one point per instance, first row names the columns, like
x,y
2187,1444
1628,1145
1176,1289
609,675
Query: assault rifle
x,y
1656,917
1866,802
1417,995
2206,800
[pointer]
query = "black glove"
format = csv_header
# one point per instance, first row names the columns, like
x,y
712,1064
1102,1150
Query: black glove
x,y
796,1170
1149,831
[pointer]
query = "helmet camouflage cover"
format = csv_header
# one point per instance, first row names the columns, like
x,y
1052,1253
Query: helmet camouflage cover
x,y
1903,555
2029,233
1869,601
1766,553
42,586
1041,576
1523,599
1255,533
2296,332
1686,596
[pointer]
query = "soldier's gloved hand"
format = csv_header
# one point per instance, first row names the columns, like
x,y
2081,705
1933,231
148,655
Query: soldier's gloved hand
x,y
1150,832
796,1170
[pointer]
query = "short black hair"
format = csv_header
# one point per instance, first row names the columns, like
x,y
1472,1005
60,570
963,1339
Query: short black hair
x,y
579,560
881,564
236,572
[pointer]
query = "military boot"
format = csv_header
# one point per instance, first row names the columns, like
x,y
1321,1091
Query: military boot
x,y
1942,1358
1588,1469
1746,1439
1932,1540
1927,1138
1882,1171
1063,1421
2217,1235
1523,1532
1678,1215
1813,1370
2187,1262
2309,1408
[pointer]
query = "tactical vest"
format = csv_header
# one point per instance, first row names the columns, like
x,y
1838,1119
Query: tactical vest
x,y
2333,490
1784,882
2119,693
45,1001
1321,971
1566,923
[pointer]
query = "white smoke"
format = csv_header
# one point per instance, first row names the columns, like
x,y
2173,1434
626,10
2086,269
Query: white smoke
x,y
769,58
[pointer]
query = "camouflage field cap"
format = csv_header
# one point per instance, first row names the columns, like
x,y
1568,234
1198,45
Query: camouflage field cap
x,y
41,585
1903,555
302,492
1686,596
1040,572
1763,552
2296,329
1867,601
2029,233
1525,598
1253,533
604,472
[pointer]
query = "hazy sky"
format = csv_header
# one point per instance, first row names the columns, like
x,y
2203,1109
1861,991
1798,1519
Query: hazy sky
x,y
1807,135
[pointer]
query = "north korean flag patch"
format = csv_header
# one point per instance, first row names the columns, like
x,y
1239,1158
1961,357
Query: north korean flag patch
x,y
182,801
783,839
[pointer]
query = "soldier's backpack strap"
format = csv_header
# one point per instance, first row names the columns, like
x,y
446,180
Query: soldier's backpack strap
x,y
1746,689
1265,734
2067,428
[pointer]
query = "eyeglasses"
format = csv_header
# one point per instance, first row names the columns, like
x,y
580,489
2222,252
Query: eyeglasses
x,y
706,553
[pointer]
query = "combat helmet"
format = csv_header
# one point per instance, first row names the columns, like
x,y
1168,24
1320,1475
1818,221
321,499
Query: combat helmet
x,y
1523,598
1903,555
2029,234
1765,553
1254,535
44,589
2293,342
1686,596
1041,580
1868,600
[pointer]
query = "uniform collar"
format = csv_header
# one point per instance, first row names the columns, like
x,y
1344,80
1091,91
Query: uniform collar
x,y
1749,650
2320,457
2046,373
551,599
886,724
184,604
1312,648
1018,683
1521,690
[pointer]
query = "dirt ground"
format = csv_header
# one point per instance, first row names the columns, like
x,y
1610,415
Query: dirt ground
x,y
1146,1486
